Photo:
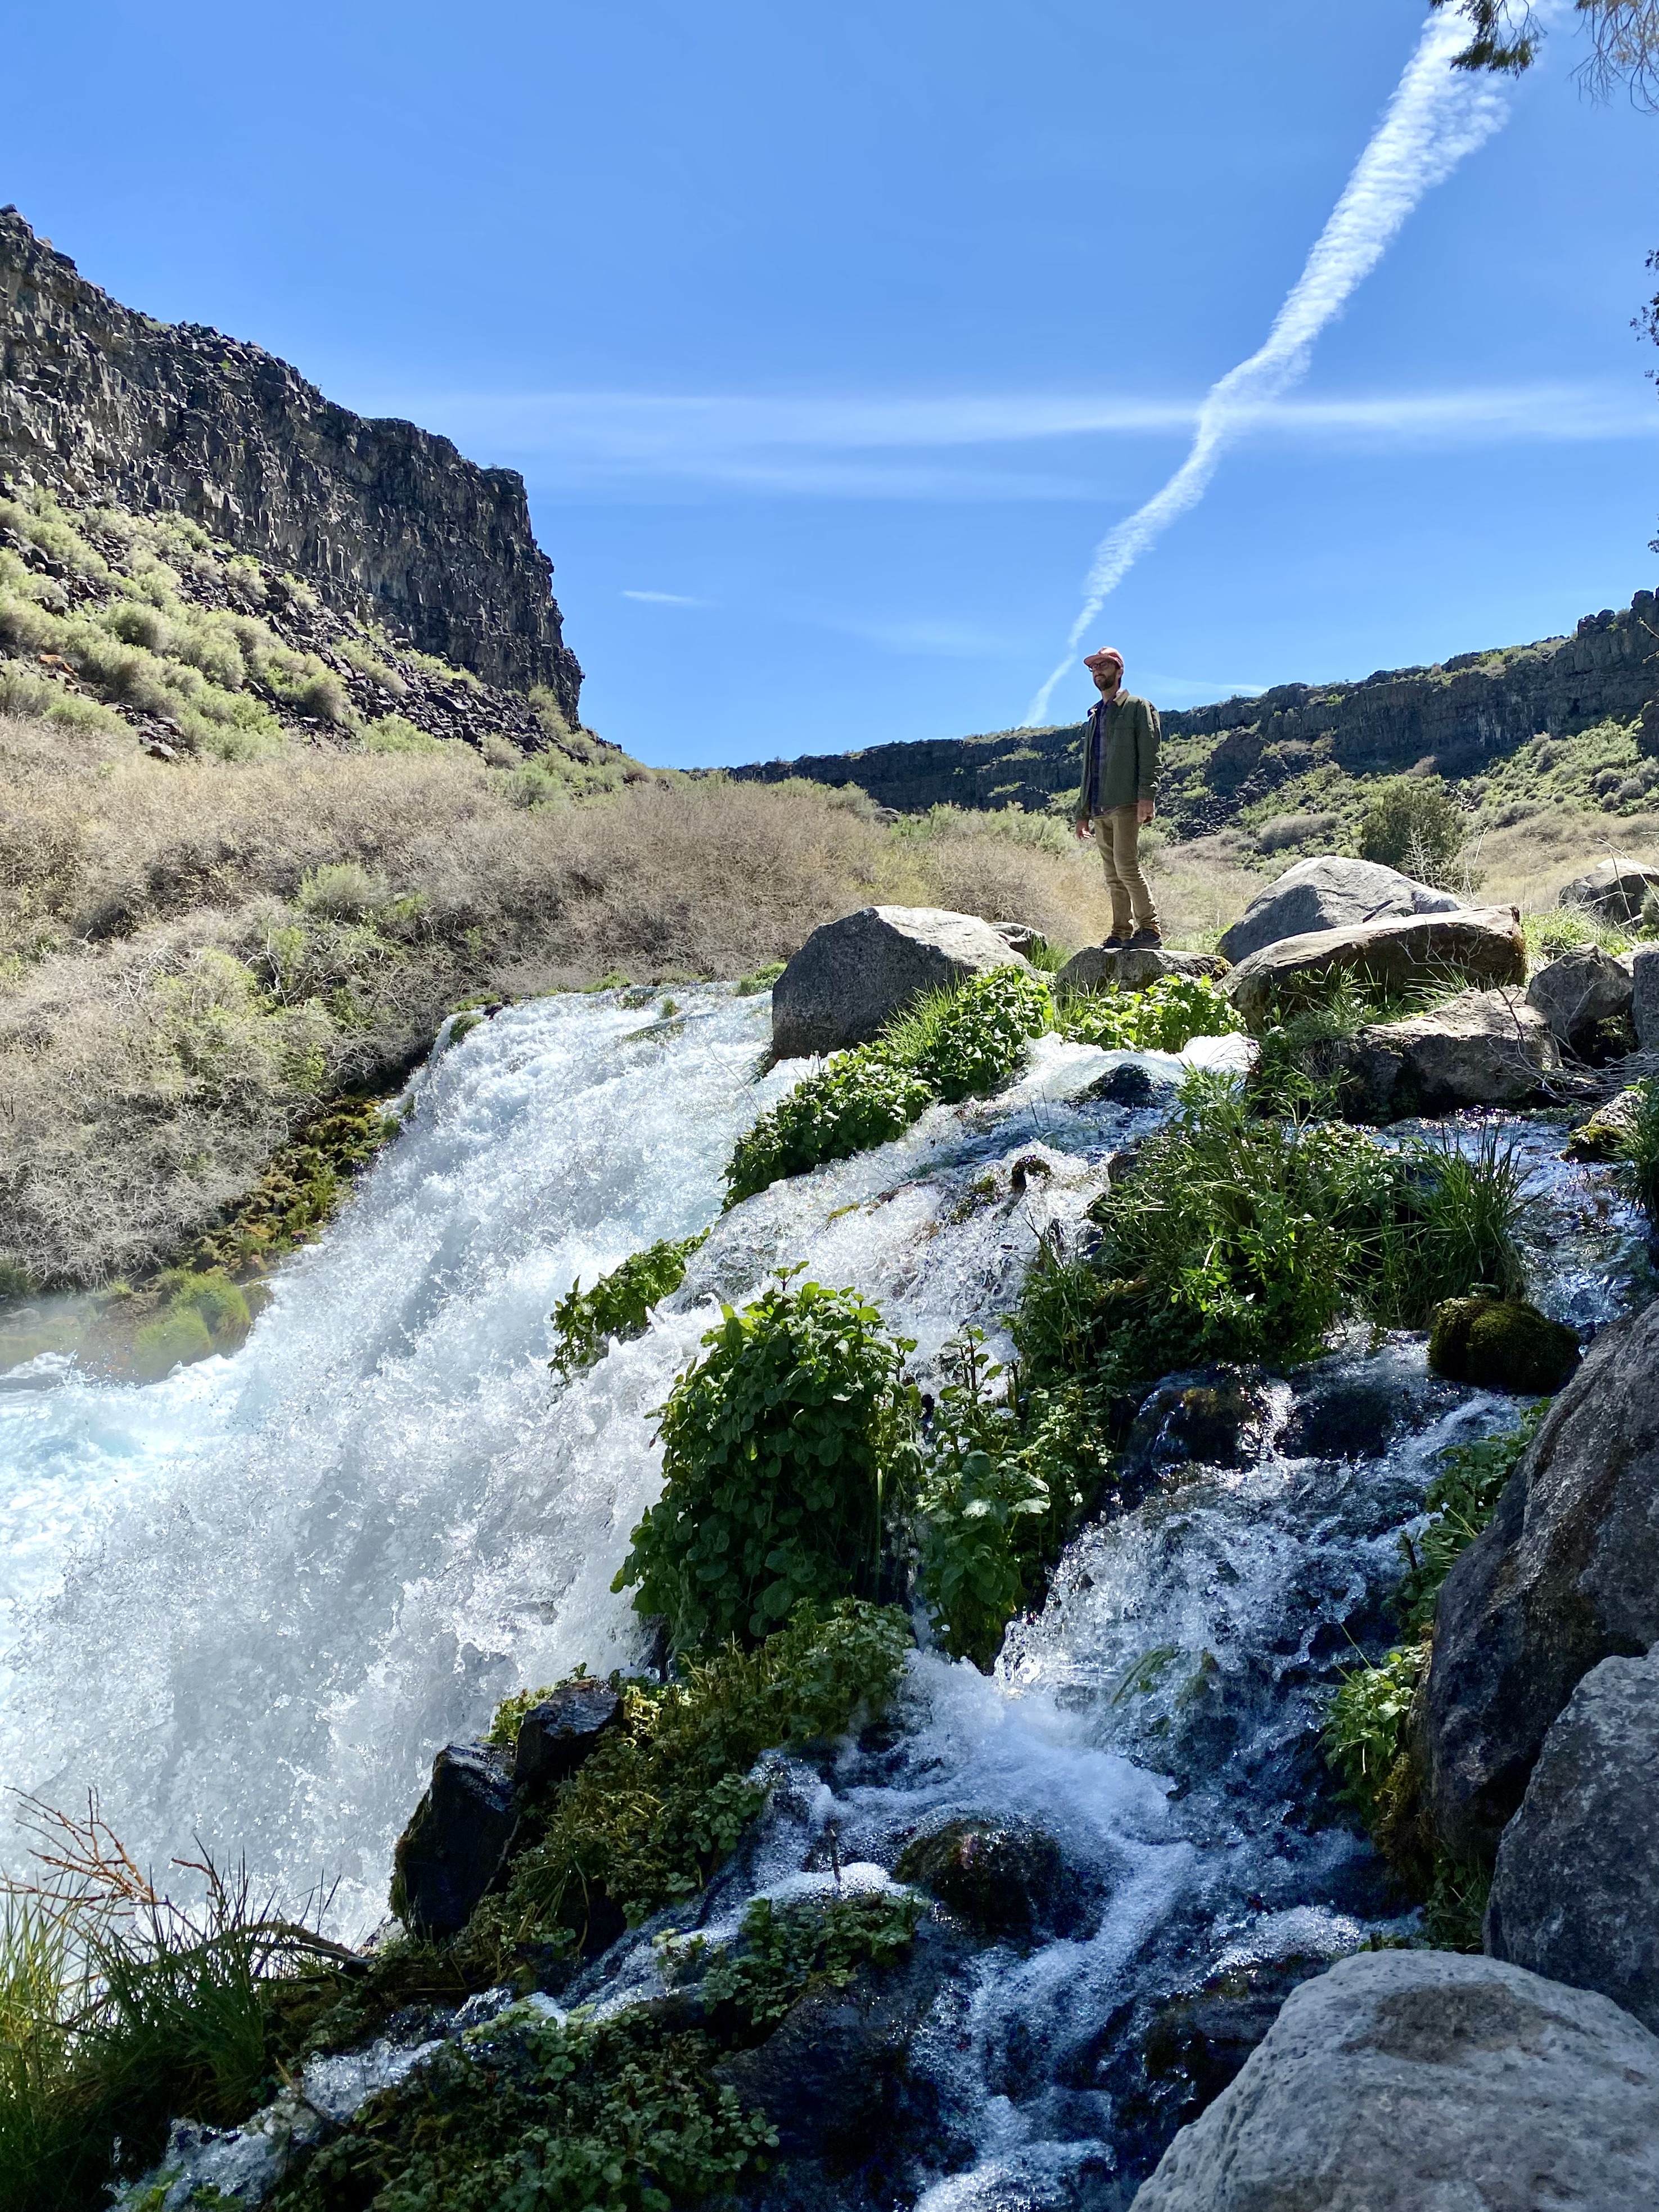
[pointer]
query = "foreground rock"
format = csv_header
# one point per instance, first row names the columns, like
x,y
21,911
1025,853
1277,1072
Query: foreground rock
x,y
1585,997
556,1736
1424,2081
1565,1575
1098,968
1576,1895
453,1847
1644,996
1613,889
1481,945
1482,1048
1329,893
1501,1344
1607,1131
852,975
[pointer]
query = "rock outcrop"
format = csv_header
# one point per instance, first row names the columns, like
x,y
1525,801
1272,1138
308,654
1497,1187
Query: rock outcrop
x,y
1565,1575
1613,889
558,1735
1480,944
852,975
97,401
1404,2080
1328,893
453,1846
1482,1048
1576,1893
1099,967
1585,997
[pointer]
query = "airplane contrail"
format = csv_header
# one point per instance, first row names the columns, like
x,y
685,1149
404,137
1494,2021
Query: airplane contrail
x,y
1437,115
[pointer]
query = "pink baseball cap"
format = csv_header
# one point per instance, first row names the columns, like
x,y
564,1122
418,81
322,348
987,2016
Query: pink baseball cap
x,y
1105,653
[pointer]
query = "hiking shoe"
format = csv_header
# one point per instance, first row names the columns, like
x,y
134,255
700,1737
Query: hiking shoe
x,y
1146,940
1115,943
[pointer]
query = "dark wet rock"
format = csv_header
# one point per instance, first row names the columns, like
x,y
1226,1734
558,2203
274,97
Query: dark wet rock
x,y
1576,1893
1501,1344
1482,1048
1402,2080
1097,968
1480,946
1585,996
1213,1416
1341,1413
1603,1136
1130,1085
998,1877
556,1736
1644,996
1565,1575
837,2076
1328,893
1613,889
455,1846
852,975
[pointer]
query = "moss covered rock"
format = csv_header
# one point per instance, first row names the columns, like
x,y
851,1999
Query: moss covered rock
x,y
999,1877
1501,1344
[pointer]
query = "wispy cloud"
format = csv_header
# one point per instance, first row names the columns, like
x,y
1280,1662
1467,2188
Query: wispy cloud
x,y
1436,117
664,599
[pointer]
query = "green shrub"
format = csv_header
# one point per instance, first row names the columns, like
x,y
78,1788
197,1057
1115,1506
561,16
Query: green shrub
x,y
396,734
1412,822
1163,1017
969,1038
665,1797
786,1450
859,1099
620,1304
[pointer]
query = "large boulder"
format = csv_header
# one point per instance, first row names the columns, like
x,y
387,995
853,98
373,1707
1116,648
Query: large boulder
x,y
852,975
1481,945
1328,893
453,1847
1644,996
1426,2081
1565,1575
1579,995
1099,968
1613,889
1482,1048
1576,1895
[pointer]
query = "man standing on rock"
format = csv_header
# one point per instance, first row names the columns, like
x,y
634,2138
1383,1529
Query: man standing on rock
x,y
1119,793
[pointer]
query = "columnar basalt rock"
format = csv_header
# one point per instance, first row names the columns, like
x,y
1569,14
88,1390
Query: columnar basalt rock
x,y
98,401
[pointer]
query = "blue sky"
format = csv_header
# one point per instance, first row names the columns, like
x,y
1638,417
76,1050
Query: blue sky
x,y
831,340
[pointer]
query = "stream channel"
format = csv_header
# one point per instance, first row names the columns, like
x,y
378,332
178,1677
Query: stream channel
x,y
248,1603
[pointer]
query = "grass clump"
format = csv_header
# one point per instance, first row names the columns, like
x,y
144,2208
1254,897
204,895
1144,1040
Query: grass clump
x,y
1640,1152
1166,1016
620,1304
668,1792
951,1044
787,1452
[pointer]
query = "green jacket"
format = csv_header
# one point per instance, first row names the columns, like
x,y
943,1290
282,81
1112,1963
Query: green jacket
x,y
1120,755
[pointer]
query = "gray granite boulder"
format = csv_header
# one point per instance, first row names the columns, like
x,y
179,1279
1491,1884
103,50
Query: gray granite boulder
x,y
1565,1575
1644,996
1482,1048
1576,1895
1613,889
1482,945
1098,968
453,1847
1426,2081
852,975
1329,893
1578,994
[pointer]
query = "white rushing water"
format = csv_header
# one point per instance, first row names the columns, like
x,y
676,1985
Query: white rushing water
x,y
248,1603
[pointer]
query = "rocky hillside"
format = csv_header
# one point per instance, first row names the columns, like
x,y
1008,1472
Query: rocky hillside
x,y
101,403
1299,748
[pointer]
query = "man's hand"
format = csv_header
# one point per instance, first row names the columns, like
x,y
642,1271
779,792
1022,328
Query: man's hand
x,y
1144,809
1083,828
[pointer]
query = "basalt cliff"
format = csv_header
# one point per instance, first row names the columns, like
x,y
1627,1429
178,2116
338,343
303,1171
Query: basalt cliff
x,y
384,520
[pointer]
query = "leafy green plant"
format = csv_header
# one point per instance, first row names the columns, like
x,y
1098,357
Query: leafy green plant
x,y
1168,1014
786,1951
968,1038
786,1450
1365,1730
1460,1500
666,1795
620,1304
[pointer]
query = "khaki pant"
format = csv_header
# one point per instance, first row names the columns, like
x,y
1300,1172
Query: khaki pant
x,y
1118,836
